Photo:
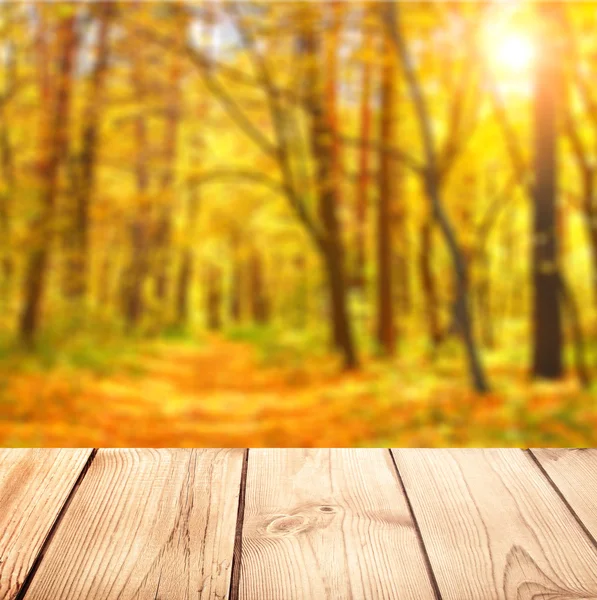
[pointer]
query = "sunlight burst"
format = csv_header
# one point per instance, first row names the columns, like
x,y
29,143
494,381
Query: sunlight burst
x,y
513,52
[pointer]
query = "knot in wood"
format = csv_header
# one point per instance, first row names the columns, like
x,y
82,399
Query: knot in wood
x,y
288,525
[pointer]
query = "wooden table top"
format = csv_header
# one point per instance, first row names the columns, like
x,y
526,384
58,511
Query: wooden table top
x,y
283,524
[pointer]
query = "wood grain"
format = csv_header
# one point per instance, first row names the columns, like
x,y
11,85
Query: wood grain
x,y
574,472
34,485
494,528
146,524
328,523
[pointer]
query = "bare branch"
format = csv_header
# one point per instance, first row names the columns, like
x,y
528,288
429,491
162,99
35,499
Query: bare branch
x,y
280,122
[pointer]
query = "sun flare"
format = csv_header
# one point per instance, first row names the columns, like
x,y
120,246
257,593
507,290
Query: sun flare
x,y
513,52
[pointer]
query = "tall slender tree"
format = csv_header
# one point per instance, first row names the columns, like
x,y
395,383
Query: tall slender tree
x,y
547,330
55,93
431,174
386,332
83,166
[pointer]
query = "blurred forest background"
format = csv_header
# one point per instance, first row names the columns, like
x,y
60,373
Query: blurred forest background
x,y
296,224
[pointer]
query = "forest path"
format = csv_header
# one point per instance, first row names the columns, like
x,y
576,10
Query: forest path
x,y
213,395
218,393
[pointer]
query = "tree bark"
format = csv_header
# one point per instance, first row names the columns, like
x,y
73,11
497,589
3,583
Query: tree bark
x,y
164,225
484,299
324,147
259,301
6,202
236,287
429,284
363,182
84,168
53,140
386,333
462,315
213,286
187,262
138,269
547,330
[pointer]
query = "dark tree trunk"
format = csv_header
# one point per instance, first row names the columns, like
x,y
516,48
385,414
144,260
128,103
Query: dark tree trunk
x,y
8,176
137,271
163,235
484,300
259,301
429,284
547,338
83,170
385,305
236,286
134,276
53,142
462,315
185,274
341,326
182,289
363,176
324,148
302,293
213,286
6,200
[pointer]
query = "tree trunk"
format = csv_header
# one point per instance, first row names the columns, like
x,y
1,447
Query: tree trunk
x,y
547,334
182,288
324,149
77,235
165,208
484,299
185,273
259,301
138,269
134,276
53,140
302,291
429,284
237,279
385,305
462,316
8,176
6,200
213,286
364,167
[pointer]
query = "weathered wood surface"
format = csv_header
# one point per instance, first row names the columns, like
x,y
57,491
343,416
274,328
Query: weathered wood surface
x,y
495,528
574,473
146,524
285,524
328,523
34,485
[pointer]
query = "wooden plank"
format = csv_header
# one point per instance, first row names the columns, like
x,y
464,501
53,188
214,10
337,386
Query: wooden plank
x,y
146,524
494,528
574,472
34,485
328,523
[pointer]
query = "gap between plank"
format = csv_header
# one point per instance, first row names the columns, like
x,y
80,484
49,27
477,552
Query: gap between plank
x,y
238,536
428,566
538,464
47,541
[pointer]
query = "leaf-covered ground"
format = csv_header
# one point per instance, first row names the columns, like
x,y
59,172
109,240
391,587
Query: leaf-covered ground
x,y
220,393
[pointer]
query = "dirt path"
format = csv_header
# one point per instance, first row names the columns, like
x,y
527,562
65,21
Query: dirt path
x,y
219,395
216,395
